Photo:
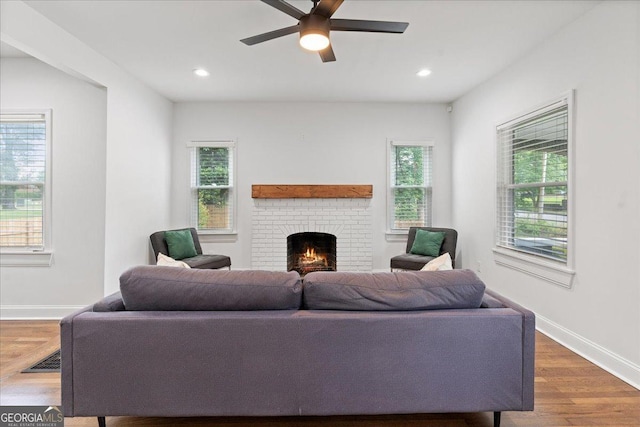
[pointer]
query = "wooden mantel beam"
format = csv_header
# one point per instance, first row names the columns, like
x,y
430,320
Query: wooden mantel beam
x,y
263,191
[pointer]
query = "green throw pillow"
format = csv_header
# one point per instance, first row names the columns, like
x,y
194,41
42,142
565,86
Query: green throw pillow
x,y
180,243
427,243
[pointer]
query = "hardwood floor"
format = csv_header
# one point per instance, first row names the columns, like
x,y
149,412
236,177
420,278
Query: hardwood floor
x,y
570,391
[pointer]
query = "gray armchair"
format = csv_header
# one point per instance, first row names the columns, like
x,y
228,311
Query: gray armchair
x,y
159,245
409,261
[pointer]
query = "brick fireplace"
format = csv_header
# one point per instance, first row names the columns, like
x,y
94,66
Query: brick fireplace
x,y
347,217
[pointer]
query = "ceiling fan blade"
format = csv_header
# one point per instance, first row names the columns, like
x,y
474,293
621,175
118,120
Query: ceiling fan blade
x,y
285,7
327,54
326,8
368,26
249,41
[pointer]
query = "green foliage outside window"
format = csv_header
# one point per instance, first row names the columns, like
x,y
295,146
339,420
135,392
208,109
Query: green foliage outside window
x,y
23,144
534,167
410,204
410,198
533,182
409,166
213,203
540,211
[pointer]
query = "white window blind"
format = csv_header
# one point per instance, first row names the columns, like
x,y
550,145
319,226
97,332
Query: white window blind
x,y
24,142
533,182
212,186
410,189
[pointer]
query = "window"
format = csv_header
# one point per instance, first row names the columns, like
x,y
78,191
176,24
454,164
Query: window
x,y
24,181
410,184
212,186
533,183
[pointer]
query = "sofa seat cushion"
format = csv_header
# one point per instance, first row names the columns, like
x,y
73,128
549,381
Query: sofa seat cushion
x,y
420,290
180,289
208,261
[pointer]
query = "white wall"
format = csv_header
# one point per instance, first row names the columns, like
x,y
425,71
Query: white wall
x,y
138,176
598,56
138,166
79,135
310,143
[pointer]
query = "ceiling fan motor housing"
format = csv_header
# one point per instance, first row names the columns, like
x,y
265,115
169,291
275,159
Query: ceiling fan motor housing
x,y
314,24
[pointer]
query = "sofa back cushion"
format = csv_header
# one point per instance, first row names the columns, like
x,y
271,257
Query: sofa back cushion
x,y
179,289
419,290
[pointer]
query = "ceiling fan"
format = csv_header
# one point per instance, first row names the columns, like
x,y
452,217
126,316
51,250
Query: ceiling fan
x,y
314,27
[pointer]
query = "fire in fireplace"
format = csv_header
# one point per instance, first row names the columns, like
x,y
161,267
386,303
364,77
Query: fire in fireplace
x,y
307,252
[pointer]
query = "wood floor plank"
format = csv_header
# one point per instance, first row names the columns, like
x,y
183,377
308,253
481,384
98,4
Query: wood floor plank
x,y
23,343
569,391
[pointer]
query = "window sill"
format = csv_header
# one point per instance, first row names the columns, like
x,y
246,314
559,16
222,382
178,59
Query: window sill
x,y
26,259
396,236
216,237
546,270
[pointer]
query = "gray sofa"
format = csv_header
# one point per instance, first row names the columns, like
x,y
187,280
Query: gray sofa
x,y
178,343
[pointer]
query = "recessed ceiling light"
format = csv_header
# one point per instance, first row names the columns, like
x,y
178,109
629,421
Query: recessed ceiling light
x,y
423,73
200,72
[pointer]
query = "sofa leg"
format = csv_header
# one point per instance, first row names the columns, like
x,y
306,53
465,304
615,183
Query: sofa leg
x,y
102,422
496,419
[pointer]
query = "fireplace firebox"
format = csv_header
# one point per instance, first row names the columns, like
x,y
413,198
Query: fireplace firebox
x,y
307,252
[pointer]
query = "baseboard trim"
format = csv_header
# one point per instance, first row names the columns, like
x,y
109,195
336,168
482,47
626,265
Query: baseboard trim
x,y
622,368
36,312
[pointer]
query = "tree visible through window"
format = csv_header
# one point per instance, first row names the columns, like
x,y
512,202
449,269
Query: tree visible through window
x,y
23,167
533,183
410,185
212,187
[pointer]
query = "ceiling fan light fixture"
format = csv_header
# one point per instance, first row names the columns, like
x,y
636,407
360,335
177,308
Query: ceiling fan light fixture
x,y
314,42
314,32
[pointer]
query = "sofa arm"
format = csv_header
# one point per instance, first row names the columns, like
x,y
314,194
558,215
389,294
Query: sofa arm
x,y
528,347
66,359
111,302
490,302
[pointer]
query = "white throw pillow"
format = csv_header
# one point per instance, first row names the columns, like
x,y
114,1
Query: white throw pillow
x,y
443,262
170,262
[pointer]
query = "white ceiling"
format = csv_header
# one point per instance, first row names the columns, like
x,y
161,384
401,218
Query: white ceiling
x,y
8,51
161,42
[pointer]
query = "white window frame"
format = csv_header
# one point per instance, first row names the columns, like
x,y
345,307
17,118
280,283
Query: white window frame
x,y
40,256
551,270
398,234
193,199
